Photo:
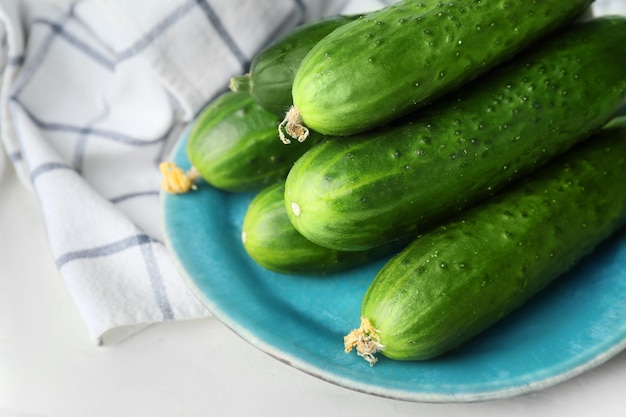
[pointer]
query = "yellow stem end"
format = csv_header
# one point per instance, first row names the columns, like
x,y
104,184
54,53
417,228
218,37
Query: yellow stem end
x,y
177,181
293,126
366,341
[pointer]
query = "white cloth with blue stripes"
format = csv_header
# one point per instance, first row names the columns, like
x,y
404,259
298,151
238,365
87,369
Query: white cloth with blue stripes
x,y
93,94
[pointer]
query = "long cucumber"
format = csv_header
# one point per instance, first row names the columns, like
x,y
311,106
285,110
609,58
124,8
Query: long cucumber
x,y
462,277
392,61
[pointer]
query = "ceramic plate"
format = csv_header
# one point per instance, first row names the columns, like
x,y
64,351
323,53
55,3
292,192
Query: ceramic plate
x,y
574,325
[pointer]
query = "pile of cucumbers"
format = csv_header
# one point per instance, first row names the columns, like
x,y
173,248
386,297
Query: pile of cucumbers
x,y
477,144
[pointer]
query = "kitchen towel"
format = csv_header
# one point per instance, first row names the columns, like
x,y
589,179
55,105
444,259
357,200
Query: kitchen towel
x,y
93,95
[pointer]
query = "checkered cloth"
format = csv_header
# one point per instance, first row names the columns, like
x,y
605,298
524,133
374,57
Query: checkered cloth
x,y
93,95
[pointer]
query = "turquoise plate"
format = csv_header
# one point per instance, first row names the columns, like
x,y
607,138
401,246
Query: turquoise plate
x,y
574,325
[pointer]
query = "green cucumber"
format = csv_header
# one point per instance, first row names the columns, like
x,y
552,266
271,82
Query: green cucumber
x,y
272,71
271,241
460,278
394,60
232,144
362,191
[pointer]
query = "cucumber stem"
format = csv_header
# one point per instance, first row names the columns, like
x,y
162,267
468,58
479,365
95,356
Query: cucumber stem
x,y
240,83
293,126
366,341
177,181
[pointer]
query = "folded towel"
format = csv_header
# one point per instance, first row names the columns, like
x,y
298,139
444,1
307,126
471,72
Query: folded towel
x,y
94,93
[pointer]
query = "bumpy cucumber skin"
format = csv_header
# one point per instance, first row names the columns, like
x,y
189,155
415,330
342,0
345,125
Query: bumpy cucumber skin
x,y
395,60
359,192
270,239
459,279
234,147
272,71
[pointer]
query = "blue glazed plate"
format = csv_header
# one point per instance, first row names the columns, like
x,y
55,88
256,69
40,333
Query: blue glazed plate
x,y
574,325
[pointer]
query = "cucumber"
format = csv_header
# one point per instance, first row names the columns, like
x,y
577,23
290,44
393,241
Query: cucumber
x,y
362,191
394,60
273,69
232,144
271,241
462,277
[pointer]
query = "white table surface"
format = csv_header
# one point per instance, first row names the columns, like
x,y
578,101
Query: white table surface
x,y
49,366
